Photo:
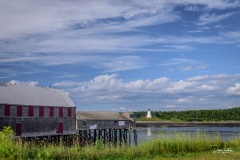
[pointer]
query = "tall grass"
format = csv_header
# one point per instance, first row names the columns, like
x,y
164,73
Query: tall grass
x,y
182,142
174,144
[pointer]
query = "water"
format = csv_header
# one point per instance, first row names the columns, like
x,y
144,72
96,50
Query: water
x,y
226,133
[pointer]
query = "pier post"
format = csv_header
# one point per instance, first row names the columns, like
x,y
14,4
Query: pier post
x,y
94,135
125,136
120,137
104,136
99,134
115,136
110,135
135,137
129,137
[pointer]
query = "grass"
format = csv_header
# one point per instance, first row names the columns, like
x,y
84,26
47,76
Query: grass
x,y
155,119
148,119
175,146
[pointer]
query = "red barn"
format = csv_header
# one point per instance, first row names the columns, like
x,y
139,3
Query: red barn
x,y
36,111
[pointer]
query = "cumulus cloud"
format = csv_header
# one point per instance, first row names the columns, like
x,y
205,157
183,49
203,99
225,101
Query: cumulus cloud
x,y
235,90
29,83
206,90
66,84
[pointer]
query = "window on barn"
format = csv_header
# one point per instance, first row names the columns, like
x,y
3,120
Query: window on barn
x,y
19,111
69,112
41,111
30,111
60,111
51,112
7,110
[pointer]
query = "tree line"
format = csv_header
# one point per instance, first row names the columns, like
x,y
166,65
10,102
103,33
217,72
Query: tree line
x,y
195,115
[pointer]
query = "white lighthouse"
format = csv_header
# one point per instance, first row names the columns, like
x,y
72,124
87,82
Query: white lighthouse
x,y
149,115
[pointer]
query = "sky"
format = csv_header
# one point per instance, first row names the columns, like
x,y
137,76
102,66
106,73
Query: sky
x,y
125,55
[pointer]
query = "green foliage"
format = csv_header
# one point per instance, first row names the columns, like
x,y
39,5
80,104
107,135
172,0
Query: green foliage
x,y
175,120
181,143
99,144
6,132
194,115
148,119
6,142
178,143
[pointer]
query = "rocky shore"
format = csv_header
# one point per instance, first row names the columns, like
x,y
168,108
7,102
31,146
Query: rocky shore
x,y
186,124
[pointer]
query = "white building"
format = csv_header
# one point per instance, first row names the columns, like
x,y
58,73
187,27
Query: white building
x,y
149,115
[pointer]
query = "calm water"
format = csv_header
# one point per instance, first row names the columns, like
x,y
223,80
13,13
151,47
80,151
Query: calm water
x,y
226,133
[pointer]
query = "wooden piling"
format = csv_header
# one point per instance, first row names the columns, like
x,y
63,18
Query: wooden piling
x,y
135,137
104,136
129,137
120,137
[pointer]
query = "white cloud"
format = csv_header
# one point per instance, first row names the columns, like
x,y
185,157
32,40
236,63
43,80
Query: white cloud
x,y
215,77
207,90
105,62
110,37
31,17
233,36
66,84
122,108
29,83
181,86
212,18
83,26
180,61
185,68
193,8
122,63
235,90
207,87
170,106
67,93
209,4
184,100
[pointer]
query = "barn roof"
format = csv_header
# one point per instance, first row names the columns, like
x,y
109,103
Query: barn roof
x,y
95,115
32,95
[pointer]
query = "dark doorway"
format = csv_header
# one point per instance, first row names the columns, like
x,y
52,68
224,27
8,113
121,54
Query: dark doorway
x,y
18,129
60,127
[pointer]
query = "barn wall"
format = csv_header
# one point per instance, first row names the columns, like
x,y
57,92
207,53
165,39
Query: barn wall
x,y
39,126
1,110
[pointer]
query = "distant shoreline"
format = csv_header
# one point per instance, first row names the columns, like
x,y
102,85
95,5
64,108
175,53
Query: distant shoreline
x,y
186,124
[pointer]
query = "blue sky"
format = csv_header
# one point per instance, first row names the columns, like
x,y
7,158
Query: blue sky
x,y
125,55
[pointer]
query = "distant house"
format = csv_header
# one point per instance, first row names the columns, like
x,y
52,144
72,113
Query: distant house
x,y
36,111
102,120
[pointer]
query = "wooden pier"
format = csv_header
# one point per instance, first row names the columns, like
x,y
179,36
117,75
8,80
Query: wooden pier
x,y
108,136
116,137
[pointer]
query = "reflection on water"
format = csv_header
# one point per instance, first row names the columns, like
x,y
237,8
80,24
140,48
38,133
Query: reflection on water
x,y
225,133
149,132
148,135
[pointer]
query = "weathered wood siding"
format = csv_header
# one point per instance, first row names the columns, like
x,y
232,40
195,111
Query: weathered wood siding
x,y
103,124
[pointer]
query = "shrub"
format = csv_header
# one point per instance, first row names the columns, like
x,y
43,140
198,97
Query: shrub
x,y
6,142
